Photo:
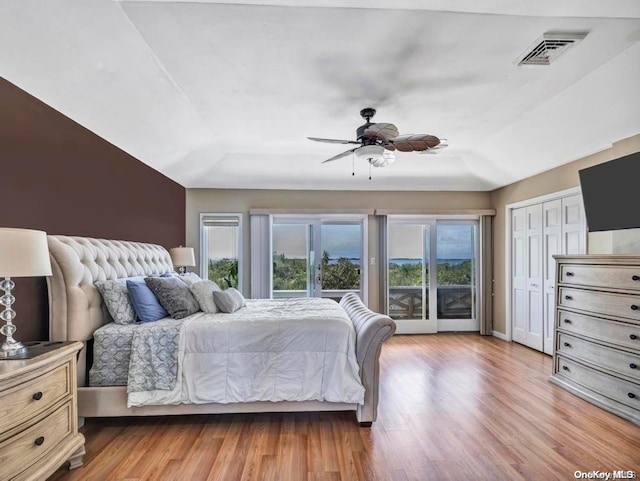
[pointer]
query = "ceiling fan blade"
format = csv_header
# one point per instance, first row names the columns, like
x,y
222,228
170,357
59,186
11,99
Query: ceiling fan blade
x,y
415,142
381,131
388,145
333,141
339,156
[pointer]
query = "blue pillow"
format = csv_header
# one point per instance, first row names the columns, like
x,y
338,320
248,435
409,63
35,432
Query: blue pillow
x,y
144,301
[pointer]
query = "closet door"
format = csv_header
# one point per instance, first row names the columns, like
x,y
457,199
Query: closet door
x,y
519,274
552,232
534,277
573,226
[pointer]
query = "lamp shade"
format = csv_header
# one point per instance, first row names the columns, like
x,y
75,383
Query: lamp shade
x,y
376,155
24,253
182,256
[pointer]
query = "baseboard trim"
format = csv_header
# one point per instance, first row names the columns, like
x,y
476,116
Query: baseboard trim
x,y
499,335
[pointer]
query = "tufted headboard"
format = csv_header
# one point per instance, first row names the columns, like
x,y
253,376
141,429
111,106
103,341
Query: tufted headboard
x,y
75,305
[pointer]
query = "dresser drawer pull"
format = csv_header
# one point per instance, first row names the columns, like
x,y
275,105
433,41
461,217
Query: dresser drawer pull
x,y
567,321
633,366
633,336
37,396
634,307
631,395
635,277
566,344
569,274
568,298
40,441
565,368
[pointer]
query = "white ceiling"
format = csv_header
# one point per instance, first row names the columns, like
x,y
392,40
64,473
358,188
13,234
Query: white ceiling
x,y
224,94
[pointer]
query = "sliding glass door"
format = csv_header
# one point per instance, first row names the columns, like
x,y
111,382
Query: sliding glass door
x,y
317,256
432,273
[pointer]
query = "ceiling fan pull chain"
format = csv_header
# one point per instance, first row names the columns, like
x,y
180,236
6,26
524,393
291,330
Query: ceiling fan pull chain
x,y
369,169
353,164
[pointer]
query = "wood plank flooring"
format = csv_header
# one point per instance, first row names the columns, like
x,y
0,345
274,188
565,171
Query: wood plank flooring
x,y
452,407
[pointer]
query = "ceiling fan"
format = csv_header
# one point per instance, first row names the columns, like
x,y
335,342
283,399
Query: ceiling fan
x,y
376,141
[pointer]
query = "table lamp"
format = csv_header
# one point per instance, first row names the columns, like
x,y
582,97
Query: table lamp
x,y
182,257
23,253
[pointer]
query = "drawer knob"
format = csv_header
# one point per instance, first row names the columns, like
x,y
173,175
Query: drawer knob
x,y
37,396
565,368
568,298
567,321
633,366
39,441
634,307
569,274
631,395
633,336
566,344
635,277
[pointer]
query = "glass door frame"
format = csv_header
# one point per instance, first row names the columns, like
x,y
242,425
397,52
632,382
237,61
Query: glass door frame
x,y
430,323
317,220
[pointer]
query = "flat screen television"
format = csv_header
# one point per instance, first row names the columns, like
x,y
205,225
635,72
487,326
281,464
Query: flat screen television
x,y
611,194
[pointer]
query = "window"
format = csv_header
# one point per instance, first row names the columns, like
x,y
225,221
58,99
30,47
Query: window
x,y
432,272
221,247
318,256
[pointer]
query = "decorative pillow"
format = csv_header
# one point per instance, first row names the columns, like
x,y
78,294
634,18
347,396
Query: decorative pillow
x,y
116,298
174,295
189,278
203,292
145,303
229,300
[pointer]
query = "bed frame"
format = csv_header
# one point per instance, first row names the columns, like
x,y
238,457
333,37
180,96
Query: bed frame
x,y
76,310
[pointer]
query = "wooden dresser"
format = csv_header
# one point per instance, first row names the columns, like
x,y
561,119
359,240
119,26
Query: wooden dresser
x,y
38,413
597,336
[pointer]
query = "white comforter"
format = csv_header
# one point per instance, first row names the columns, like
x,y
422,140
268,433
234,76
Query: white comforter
x,y
270,350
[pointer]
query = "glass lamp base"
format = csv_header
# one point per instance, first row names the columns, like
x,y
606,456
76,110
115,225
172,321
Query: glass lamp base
x,y
10,349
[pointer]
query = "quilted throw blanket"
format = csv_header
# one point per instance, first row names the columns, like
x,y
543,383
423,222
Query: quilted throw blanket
x,y
153,363
270,350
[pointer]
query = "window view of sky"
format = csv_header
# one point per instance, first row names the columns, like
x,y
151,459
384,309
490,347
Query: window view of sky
x,y
337,240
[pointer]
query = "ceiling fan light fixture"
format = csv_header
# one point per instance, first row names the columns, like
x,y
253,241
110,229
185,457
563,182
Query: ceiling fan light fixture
x,y
375,155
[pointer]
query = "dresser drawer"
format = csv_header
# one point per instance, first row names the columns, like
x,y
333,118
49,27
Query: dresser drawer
x,y
606,357
606,303
619,333
619,390
613,277
26,400
28,447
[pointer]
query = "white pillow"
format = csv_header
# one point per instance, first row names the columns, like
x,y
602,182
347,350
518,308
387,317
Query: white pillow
x,y
203,292
229,300
189,278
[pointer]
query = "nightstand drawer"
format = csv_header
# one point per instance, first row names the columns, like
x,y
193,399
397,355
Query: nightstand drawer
x,y
608,358
606,303
619,390
27,400
623,334
613,277
27,448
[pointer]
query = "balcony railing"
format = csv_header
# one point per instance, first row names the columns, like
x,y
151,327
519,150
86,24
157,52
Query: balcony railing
x,y
454,302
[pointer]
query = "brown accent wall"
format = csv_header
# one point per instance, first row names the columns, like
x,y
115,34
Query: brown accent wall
x,y
59,177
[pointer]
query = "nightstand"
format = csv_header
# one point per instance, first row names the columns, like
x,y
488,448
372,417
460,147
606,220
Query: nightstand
x,y
38,413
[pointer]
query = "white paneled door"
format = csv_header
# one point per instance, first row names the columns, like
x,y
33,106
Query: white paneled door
x,y
540,231
519,276
552,233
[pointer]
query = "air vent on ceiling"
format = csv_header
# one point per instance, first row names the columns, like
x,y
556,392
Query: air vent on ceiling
x,y
549,47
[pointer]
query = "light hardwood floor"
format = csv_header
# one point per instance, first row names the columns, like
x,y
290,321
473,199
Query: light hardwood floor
x,y
452,407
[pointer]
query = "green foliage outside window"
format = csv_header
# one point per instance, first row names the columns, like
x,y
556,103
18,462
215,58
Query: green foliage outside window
x,y
224,272
448,274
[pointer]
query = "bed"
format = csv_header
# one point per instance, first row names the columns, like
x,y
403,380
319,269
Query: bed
x,y
77,312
